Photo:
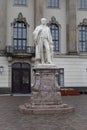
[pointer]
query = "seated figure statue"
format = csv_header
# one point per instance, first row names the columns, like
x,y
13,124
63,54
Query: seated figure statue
x,y
43,43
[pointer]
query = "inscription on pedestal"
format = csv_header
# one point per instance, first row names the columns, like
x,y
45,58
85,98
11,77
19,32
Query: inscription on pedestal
x,y
47,82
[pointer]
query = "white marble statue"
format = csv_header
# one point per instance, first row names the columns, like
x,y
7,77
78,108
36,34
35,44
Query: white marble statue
x,y
43,43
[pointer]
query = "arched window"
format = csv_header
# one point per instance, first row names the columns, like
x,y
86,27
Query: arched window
x,y
55,36
54,27
20,33
83,36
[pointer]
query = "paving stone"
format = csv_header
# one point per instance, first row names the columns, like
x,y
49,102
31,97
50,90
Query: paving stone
x,y
12,119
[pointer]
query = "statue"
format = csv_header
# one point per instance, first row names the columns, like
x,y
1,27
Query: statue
x,y
43,43
46,96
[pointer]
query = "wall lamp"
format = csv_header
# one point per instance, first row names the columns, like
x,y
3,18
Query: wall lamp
x,y
1,69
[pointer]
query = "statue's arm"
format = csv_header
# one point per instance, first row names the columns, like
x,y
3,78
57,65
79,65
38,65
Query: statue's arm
x,y
36,34
50,37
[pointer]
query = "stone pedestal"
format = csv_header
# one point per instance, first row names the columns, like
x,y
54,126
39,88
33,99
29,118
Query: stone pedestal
x,y
46,96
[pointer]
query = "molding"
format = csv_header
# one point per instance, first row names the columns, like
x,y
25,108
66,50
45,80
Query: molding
x,y
20,18
54,21
83,23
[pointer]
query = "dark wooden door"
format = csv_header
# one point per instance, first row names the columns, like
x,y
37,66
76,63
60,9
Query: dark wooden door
x,y
21,78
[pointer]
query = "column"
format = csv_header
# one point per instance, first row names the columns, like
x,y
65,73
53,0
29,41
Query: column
x,y
71,26
38,11
3,19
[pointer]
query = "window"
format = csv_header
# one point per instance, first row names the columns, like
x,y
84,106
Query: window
x,y
19,36
53,3
61,77
55,35
83,38
20,27
20,2
82,4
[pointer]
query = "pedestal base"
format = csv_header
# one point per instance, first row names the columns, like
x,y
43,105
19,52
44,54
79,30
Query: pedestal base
x,y
45,109
46,97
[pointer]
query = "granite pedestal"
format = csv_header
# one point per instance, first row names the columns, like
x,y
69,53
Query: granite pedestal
x,y
46,96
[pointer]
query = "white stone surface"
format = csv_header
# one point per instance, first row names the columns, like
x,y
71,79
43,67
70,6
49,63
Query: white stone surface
x,y
4,77
43,43
75,71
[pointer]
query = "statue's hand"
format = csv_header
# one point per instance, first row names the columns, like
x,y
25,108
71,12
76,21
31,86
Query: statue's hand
x,y
51,47
35,42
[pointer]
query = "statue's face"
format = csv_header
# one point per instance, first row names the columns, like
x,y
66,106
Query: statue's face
x,y
43,21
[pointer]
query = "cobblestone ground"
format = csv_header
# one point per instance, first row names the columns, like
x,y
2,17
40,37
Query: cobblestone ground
x,y
11,119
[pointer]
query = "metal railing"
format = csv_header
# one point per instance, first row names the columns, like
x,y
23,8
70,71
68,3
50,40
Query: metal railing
x,y
16,50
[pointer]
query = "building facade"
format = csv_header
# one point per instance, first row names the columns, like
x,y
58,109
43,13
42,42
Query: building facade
x,y
67,20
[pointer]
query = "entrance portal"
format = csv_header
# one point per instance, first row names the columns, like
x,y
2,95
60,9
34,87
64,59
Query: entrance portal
x,y
21,78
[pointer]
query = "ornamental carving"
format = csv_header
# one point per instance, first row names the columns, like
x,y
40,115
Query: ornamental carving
x,y
84,22
53,21
20,18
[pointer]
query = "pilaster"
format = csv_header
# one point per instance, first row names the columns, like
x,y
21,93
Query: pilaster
x,y
38,11
3,19
71,26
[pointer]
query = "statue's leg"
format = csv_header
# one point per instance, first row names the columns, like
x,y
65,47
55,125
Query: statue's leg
x,y
48,52
41,50
37,55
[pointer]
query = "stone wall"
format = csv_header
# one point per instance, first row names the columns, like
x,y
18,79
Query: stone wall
x,y
4,76
75,70
12,13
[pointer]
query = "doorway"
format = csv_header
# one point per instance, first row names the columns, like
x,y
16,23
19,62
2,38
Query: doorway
x,y
21,78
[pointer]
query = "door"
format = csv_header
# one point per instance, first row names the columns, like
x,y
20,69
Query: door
x,y
21,78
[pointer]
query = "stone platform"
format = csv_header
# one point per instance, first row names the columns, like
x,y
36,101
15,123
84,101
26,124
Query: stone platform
x,y
46,96
45,109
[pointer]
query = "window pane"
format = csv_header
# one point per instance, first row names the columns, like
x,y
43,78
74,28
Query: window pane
x,y
19,36
20,33
83,38
82,4
20,2
16,65
55,36
25,65
61,77
15,32
53,3
24,33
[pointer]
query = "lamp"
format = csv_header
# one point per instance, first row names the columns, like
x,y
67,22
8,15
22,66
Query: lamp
x,y
1,69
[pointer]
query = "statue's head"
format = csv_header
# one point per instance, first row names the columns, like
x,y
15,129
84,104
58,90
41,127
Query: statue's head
x,y
43,21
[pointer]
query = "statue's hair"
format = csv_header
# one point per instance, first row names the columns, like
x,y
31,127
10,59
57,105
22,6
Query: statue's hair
x,y
43,19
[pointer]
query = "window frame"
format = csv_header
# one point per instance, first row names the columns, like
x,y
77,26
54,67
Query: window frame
x,y
82,38
60,72
22,19
55,39
53,6
18,38
80,4
18,4
54,21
